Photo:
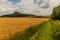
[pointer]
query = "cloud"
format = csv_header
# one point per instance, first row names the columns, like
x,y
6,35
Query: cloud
x,y
36,7
42,3
43,8
5,7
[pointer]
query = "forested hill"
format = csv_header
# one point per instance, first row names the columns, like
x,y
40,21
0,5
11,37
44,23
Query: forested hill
x,y
17,14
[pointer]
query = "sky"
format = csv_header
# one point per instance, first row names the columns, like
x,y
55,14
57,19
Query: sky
x,y
35,7
14,1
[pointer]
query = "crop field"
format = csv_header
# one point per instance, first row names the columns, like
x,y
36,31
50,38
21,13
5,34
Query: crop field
x,y
9,26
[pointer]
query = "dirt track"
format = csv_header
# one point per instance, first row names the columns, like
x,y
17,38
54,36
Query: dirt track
x,y
11,25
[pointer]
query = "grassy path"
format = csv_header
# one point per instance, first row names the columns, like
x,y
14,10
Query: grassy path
x,y
44,33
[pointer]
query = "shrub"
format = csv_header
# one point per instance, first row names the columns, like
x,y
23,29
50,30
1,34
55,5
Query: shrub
x,y
56,13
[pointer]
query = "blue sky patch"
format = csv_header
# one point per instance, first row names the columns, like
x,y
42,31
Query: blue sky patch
x,y
14,1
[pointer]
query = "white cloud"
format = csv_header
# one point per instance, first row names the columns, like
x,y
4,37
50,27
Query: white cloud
x,y
28,6
6,7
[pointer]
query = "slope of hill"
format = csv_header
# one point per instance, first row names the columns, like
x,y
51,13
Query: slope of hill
x,y
17,14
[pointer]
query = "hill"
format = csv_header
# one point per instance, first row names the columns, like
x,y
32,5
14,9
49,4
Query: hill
x,y
17,14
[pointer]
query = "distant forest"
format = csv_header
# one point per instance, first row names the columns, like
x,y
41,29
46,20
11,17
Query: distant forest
x,y
17,14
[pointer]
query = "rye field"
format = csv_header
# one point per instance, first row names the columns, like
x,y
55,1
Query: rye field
x,y
9,26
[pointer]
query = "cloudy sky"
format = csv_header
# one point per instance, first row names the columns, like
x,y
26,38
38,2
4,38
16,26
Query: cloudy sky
x,y
36,7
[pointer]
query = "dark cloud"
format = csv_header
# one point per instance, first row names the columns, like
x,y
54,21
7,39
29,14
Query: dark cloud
x,y
35,1
47,5
40,2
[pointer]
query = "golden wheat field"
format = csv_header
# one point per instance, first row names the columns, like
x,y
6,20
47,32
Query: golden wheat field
x,y
12,25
